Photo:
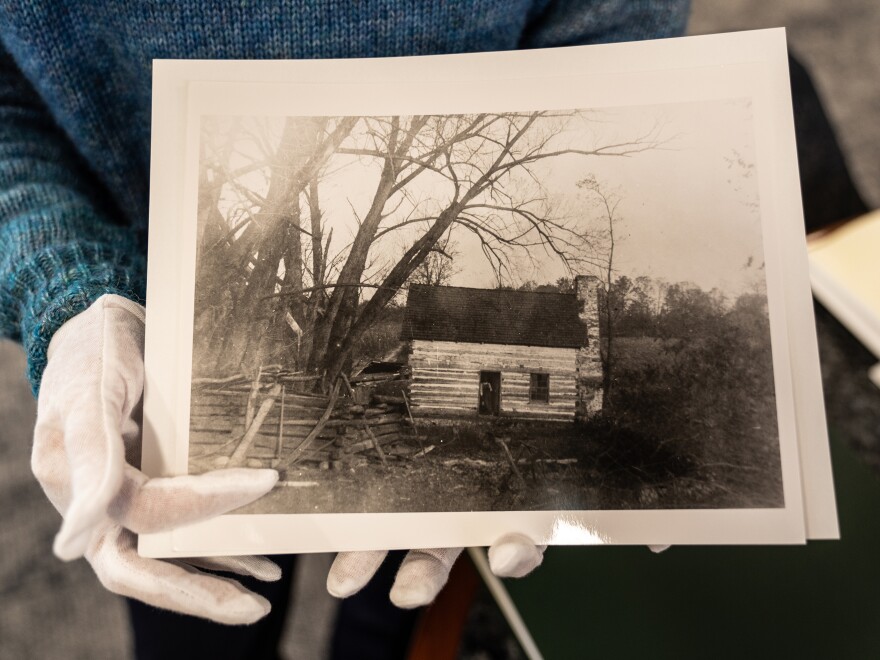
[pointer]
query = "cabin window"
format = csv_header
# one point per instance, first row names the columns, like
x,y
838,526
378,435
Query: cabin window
x,y
539,388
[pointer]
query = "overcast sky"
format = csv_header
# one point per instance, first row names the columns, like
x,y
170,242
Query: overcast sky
x,y
689,210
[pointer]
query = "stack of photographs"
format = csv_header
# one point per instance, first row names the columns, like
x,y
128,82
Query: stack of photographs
x,y
557,292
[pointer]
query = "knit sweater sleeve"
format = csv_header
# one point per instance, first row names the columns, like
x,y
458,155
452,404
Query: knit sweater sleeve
x,y
581,22
59,248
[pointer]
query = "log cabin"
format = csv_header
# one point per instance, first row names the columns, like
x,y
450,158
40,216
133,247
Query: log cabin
x,y
497,352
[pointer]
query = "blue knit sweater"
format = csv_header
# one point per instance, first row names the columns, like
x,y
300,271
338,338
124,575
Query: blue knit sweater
x,y
75,112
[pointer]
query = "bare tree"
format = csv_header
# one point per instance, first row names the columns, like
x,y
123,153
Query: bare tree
x,y
439,267
265,234
479,170
480,159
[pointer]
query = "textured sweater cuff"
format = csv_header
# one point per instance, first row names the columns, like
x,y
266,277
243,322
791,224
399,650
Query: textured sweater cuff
x,y
60,283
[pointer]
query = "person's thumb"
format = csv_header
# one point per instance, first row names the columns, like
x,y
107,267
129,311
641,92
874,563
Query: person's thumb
x,y
93,385
97,458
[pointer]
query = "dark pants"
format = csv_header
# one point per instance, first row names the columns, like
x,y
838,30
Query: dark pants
x,y
367,627
827,188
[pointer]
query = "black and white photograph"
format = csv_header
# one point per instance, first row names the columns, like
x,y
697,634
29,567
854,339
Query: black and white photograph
x,y
539,310
450,297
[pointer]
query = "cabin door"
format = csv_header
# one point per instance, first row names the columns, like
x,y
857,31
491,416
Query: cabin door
x,y
490,392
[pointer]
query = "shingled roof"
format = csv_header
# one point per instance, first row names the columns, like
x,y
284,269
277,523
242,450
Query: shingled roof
x,y
493,316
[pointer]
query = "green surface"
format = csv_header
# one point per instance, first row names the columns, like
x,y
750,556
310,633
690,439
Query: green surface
x,y
821,600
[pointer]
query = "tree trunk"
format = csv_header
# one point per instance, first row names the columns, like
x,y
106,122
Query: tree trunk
x,y
335,326
300,155
390,286
609,351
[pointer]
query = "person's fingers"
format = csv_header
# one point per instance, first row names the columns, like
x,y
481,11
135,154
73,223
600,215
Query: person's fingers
x,y
146,505
515,555
657,549
254,566
422,575
170,585
351,571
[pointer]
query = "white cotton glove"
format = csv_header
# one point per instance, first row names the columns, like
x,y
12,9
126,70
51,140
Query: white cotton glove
x,y
86,451
423,573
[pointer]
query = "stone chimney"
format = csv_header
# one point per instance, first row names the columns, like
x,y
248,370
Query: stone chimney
x,y
588,362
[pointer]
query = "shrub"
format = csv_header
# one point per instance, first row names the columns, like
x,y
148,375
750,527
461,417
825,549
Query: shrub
x,y
628,457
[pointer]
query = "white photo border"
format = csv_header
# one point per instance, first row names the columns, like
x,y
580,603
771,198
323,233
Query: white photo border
x,y
740,65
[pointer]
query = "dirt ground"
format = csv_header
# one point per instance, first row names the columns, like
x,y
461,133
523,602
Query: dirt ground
x,y
464,473
557,468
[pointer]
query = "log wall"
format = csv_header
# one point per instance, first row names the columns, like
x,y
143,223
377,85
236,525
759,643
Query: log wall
x,y
218,419
446,376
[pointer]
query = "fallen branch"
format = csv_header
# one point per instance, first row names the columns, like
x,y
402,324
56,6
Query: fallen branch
x,y
375,444
476,462
412,421
423,451
279,443
503,443
557,461
334,394
357,447
297,379
219,381
317,450
250,435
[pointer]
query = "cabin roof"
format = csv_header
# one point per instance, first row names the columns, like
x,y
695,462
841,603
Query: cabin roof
x,y
493,316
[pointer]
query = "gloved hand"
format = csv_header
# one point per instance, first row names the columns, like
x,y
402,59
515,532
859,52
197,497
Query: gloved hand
x,y
86,452
423,573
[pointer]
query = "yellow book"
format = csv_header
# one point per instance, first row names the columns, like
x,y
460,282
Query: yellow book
x,y
845,275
